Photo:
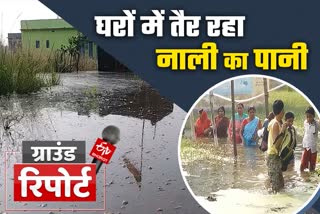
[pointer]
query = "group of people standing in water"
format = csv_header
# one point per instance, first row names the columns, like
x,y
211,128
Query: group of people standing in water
x,y
246,125
279,138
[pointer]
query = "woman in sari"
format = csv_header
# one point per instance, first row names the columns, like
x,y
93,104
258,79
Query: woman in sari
x,y
202,127
222,123
239,117
249,128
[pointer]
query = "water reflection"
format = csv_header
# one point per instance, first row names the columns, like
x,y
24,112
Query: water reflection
x,y
145,103
79,109
86,94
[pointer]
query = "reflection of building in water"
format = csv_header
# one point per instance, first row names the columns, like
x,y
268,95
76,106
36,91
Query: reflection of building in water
x,y
143,104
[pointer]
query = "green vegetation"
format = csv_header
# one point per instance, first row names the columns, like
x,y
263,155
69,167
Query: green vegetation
x,y
293,101
25,72
91,92
68,57
203,151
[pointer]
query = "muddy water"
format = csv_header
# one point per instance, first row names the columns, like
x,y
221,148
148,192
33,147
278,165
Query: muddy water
x,y
241,186
143,176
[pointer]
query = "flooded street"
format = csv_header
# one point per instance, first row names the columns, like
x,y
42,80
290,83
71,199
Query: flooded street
x,y
143,176
223,185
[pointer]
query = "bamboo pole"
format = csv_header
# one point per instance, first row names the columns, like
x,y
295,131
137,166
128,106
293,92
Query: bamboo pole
x,y
266,96
215,137
191,119
233,120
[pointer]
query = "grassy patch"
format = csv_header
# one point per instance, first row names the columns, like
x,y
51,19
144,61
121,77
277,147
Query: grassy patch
x,y
293,101
28,70
87,64
203,151
25,71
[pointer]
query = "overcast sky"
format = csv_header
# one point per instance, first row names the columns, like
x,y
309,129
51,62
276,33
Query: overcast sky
x,y
13,11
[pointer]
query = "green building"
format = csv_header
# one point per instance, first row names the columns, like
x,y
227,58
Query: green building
x,y
50,34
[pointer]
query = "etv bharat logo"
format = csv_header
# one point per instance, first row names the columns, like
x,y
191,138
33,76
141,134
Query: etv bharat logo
x,y
56,171
102,151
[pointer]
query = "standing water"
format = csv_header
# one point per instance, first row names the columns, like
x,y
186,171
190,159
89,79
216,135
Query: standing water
x,y
142,176
223,184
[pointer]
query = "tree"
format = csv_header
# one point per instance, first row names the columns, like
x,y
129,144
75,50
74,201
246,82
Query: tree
x,y
73,49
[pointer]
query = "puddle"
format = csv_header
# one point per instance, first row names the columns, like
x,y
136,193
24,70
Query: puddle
x,y
224,185
143,176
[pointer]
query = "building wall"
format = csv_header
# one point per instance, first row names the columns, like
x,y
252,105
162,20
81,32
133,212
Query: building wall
x,y
56,38
36,33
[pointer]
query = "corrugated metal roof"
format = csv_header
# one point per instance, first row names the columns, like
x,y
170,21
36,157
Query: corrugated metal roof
x,y
42,24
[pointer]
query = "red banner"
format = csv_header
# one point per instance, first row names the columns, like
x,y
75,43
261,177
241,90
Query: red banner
x,y
54,182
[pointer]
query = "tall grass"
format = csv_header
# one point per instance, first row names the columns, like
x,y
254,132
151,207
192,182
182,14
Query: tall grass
x,y
28,70
25,71
64,63
88,64
293,101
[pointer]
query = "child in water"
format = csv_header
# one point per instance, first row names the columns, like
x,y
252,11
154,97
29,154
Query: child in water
x,y
289,142
309,142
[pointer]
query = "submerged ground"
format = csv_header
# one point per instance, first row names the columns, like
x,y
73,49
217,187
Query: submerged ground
x,y
222,184
143,176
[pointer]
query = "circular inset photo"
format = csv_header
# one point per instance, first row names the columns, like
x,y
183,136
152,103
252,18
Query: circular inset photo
x,y
249,145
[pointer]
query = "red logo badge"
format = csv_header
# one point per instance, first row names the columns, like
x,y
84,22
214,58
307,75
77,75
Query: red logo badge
x,y
102,151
